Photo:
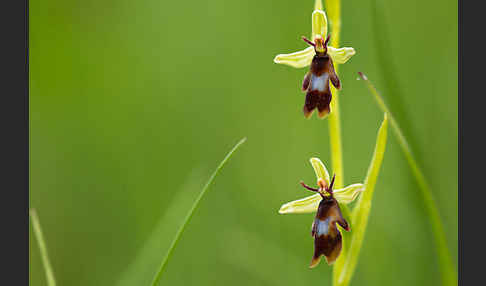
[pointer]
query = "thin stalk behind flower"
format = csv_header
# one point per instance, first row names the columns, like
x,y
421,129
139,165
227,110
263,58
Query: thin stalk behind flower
x,y
335,137
334,14
361,212
333,9
448,270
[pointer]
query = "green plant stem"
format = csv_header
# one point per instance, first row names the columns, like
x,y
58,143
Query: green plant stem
x,y
51,281
448,270
188,217
333,8
334,12
335,140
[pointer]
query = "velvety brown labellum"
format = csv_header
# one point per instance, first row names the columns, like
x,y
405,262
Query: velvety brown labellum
x,y
327,238
316,83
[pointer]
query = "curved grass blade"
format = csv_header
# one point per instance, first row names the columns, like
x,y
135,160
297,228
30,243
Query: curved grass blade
x,y
448,270
385,63
141,269
51,281
188,217
361,212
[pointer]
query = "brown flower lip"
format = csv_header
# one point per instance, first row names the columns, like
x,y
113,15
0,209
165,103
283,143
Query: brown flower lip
x,y
327,238
316,81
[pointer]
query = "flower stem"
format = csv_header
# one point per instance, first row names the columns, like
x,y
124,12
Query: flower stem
x,y
334,12
333,8
51,281
448,270
191,212
335,140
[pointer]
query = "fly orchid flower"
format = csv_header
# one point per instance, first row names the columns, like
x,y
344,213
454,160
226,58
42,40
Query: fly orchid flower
x,y
327,238
304,58
320,57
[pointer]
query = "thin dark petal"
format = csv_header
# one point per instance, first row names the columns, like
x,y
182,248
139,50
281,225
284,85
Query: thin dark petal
x,y
306,81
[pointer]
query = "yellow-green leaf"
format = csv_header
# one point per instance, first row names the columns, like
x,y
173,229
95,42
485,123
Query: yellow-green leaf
x,y
298,59
341,55
320,170
348,194
309,204
306,205
319,24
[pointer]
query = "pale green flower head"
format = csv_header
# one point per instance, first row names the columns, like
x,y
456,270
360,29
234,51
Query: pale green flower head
x,y
309,204
303,58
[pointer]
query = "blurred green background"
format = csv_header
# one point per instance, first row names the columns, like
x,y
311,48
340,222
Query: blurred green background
x,y
134,103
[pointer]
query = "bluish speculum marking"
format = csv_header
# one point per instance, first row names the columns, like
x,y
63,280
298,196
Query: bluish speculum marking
x,y
320,82
322,227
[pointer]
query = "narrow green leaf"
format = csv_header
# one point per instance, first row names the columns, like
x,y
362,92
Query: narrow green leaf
x,y
448,270
361,212
188,217
51,281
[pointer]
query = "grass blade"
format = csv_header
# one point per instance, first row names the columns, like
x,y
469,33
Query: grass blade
x,y
385,63
51,281
188,217
361,212
141,269
448,270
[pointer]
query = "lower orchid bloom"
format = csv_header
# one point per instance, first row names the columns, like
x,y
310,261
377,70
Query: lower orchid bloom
x,y
327,237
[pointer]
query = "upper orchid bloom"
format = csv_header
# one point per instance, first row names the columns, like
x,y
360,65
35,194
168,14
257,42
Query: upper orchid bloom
x,y
303,58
